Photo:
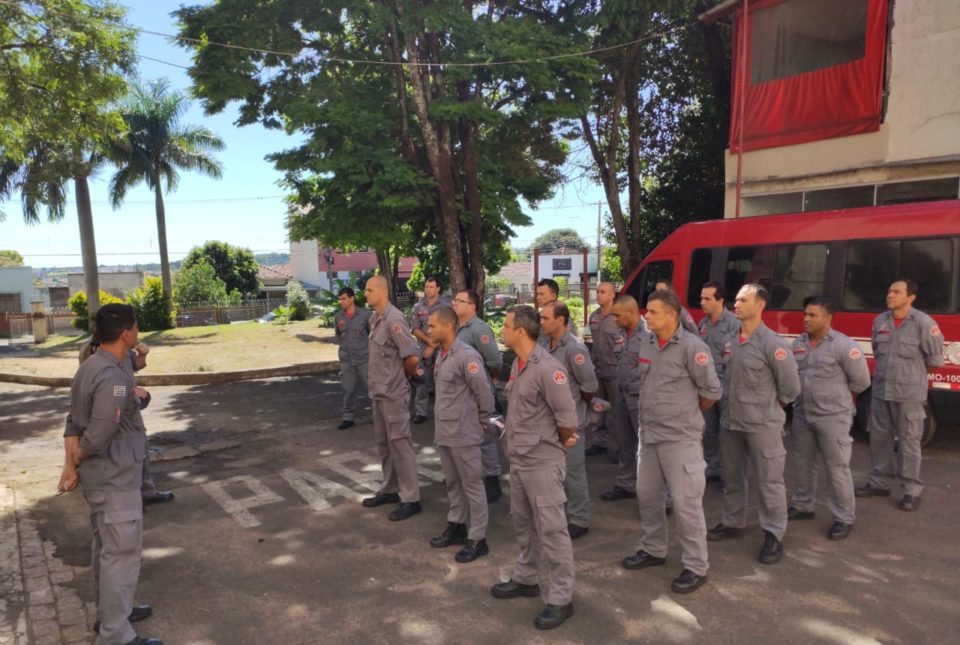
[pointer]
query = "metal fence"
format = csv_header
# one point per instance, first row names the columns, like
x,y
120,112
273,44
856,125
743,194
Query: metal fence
x,y
19,327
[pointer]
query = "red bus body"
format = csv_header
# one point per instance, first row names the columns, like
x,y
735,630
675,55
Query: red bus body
x,y
861,250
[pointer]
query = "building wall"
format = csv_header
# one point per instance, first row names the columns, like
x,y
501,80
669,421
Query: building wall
x,y
305,264
917,140
19,281
545,265
117,284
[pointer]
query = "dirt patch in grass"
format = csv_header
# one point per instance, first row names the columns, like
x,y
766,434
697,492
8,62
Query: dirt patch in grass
x,y
216,348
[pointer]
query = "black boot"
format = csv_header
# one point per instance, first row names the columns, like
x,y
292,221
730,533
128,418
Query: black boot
x,y
453,534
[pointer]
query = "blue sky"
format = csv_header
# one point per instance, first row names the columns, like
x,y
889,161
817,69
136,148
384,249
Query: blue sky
x,y
244,208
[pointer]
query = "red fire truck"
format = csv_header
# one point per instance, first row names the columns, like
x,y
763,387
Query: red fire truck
x,y
848,256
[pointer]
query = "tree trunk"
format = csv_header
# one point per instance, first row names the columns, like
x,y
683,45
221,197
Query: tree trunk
x,y
472,201
634,185
88,246
386,266
162,241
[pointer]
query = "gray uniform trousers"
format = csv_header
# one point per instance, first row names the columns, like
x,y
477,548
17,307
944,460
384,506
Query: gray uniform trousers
x,y
351,377
536,505
391,430
490,451
626,425
575,484
465,492
711,438
421,396
600,435
117,522
676,467
903,420
830,437
766,452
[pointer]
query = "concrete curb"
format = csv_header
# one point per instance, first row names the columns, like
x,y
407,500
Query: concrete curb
x,y
192,378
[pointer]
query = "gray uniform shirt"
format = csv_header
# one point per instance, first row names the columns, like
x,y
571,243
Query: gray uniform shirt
x,y
106,412
130,367
420,315
575,358
687,321
629,376
675,378
715,335
390,343
903,355
478,335
464,398
759,377
353,335
608,342
829,372
539,403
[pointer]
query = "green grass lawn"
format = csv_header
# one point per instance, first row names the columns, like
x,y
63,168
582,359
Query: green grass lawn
x,y
193,349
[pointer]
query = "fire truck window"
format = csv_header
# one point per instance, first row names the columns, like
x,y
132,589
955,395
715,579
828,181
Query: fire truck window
x,y
871,267
929,264
749,265
647,280
699,273
799,272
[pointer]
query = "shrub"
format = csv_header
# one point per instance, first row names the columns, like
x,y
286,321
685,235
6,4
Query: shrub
x,y
154,311
298,301
198,284
78,305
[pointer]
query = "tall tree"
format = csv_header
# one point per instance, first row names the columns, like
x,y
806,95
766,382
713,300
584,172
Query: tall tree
x,y
155,147
409,142
9,258
235,266
65,62
558,238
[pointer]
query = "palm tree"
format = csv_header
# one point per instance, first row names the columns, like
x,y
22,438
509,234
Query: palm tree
x,y
155,147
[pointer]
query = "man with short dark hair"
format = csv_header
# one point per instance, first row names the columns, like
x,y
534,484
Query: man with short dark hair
x,y
608,342
832,370
548,291
105,408
685,318
540,426
351,325
717,325
907,344
423,386
477,334
759,380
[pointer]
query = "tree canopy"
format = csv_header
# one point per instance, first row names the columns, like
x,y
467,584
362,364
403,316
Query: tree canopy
x,y
235,266
559,238
10,259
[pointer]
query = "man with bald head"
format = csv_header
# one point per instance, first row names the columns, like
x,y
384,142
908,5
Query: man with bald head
x,y
608,341
394,355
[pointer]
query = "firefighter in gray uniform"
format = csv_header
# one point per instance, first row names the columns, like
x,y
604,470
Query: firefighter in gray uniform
x,y
464,403
478,335
685,318
352,328
105,408
906,344
418,324
393,358
627,406
575,358
759,380
608,341
679,382
548,291
831,367
540,425
717,325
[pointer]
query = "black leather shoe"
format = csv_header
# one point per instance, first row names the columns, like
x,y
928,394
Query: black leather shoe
x,y
419,419
869,490
404,511
593,451
839,530
576,531
772,549
641,560
513,589
492,487
723,532
553,616
345,424
380,499
138,613
472,550
797,514
142,640
616,493
162,497
687,581
909,503
453,534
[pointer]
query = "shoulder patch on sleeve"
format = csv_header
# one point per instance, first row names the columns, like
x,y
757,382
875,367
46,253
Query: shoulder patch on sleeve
x,y
934,330
559,378
780,354
396,328
702,358
120,390
855,353
485,339
473,367
579,359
